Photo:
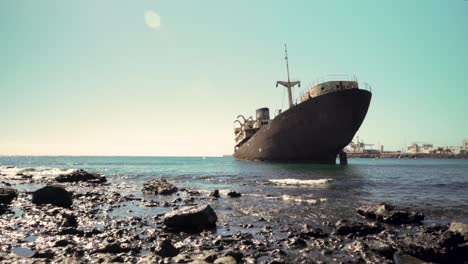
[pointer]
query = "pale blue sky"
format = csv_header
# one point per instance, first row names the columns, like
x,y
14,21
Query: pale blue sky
x,y
90,77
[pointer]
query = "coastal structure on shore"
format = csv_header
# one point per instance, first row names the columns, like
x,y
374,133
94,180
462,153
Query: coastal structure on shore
x,y
425,148
358,148
420,148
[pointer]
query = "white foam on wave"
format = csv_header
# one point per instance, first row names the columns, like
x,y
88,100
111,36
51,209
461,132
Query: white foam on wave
x,y
300,182
37,173
289,198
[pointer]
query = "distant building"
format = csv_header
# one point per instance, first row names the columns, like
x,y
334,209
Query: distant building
x,y
465,145
423,148
456,149
441,150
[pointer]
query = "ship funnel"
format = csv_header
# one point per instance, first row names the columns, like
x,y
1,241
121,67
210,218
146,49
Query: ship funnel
x,y
263,114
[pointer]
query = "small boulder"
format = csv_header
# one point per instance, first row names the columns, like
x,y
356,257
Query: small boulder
x,y
45,254
54,195
159,186
63,243
114,248
7,195
215,194
308,231
69,220
435,244
234,194
460,228
166,249
191,218
345,227
297,242
81,176
390,214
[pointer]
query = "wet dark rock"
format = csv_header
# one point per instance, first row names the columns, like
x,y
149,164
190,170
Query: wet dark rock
x,y
165,249
92,233
9,258
5,183
81,176
71,231
69,220
402,258
191,218
437,244
54,195
278,253
209,257
308,231
382,248
25,176
159,186
191,192
62,243
235,254
390,214
109,258
215,194
47,254
344,227
297,243
266,229
234,194
114,248
117,259
366,255
7,195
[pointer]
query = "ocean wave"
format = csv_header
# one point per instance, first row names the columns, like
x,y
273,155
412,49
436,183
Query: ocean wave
x,y
299,182
289,198
10,172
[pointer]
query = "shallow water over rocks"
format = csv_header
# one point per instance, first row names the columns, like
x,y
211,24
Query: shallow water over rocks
x,y
116,221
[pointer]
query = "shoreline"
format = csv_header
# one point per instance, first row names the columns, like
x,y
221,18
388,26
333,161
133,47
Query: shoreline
x,y
406,156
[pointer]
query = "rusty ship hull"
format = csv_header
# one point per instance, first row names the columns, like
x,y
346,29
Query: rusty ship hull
x,y
314,131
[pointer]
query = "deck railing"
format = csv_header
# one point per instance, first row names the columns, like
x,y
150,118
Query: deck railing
x,y
350,78
329,78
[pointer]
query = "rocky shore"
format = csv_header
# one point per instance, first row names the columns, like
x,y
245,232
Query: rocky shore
x,y
77,218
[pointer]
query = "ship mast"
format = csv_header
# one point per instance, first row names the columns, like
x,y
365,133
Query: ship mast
x,y
288,84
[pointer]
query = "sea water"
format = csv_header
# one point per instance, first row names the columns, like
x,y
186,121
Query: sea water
x,y
289,191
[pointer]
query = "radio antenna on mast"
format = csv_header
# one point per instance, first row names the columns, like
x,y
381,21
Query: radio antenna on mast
x,y
289,85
